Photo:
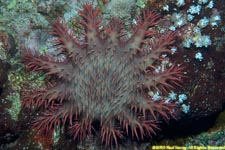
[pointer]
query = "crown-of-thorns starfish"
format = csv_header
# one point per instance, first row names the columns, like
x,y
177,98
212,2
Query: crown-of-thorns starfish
x,y
104,78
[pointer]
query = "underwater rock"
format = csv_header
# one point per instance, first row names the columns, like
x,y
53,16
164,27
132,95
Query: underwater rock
x,y
8,42
7,45
3,74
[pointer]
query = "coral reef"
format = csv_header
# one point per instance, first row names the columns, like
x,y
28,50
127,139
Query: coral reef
x,y
102,84
122,9
199,47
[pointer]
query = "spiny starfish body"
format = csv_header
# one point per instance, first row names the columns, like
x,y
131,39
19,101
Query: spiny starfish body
x,y
104,79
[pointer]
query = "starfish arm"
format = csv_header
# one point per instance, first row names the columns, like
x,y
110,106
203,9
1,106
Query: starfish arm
x,y
67,43
142,30
52,119
110,134
80,129
50,65
165,79
46,97
154,49
115,35
91,20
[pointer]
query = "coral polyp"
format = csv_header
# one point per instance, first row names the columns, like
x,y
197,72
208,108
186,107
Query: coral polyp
x,y
105,79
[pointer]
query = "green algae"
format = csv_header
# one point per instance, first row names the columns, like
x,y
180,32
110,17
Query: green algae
x,y
20,81
15,108
3,54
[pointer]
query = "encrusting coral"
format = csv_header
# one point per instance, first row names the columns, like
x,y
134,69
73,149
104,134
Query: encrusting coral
x,y
105,79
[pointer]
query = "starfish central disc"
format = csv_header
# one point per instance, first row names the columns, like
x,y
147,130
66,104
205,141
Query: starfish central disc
x,y
104,83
